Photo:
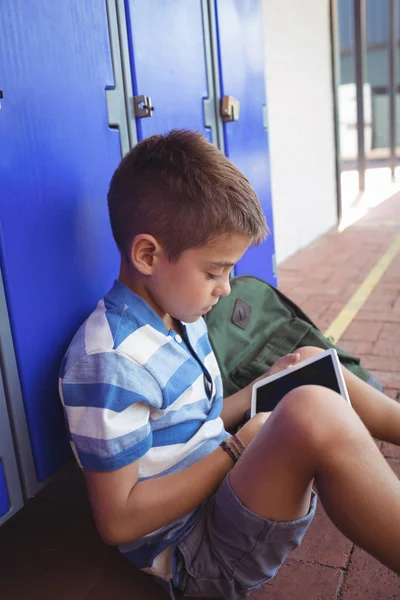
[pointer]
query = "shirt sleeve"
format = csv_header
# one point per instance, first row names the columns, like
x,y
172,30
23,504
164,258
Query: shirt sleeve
x,y
107,399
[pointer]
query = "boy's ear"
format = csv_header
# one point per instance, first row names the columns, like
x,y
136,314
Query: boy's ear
x,y
145,251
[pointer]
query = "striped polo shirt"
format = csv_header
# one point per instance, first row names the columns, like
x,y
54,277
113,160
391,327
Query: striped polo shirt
x,y
133,390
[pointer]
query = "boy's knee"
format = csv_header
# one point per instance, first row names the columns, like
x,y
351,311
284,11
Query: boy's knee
x,y
317,416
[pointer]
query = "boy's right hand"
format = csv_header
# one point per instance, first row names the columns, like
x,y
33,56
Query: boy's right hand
x,y
250,429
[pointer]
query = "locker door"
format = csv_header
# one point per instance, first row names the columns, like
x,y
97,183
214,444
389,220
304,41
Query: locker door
x,y
241,64
57,156
10,489
167,53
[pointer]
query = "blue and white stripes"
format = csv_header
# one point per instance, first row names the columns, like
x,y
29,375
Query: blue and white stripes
x,y
133,390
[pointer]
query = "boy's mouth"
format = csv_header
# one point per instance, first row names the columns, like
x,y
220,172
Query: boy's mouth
x,y
207,309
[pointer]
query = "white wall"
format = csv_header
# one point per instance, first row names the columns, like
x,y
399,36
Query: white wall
x,y
300,117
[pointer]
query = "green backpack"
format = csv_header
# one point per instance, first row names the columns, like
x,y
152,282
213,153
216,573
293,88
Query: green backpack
x,y
257,324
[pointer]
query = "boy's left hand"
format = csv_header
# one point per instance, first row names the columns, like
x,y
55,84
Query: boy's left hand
x,y
282,363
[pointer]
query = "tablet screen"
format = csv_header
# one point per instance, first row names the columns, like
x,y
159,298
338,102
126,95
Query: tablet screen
x,y
320,372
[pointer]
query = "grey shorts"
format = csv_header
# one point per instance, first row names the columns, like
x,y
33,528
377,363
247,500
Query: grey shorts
x,y
232,551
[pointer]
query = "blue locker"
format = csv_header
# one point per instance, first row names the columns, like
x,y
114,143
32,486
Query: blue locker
x,y
167,53
10,487
242,75
57,256
4,499
170,59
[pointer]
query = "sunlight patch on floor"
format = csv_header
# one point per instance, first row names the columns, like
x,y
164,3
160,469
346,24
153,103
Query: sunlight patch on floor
x,y
378,188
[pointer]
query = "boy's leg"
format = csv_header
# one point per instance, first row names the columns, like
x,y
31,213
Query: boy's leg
x,y
379,413
314,435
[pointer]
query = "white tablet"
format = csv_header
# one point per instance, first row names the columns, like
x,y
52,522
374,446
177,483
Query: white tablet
x,y
322,369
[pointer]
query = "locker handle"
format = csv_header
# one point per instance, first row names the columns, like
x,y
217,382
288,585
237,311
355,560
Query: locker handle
x,y
230,108
142,106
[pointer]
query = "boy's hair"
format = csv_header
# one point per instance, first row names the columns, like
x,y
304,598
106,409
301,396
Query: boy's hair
x,y
182,190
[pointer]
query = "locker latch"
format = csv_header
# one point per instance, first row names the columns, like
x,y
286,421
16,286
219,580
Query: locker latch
x,y
142,106
230,108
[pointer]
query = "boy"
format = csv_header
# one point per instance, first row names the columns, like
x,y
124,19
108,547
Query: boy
x,y
207,513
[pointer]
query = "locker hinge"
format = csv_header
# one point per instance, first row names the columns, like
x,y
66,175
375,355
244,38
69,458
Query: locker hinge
x,y
265,117
142,106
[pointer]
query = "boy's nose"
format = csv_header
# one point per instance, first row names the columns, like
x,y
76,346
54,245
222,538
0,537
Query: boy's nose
x,y
224,289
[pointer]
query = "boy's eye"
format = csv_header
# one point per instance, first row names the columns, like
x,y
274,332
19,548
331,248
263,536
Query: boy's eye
x,y
214,277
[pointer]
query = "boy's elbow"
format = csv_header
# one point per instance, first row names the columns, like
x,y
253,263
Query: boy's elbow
x,y
107,532
113,534
109,537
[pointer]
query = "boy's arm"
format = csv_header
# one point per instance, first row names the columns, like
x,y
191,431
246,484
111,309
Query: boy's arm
x,y
236,405
125,510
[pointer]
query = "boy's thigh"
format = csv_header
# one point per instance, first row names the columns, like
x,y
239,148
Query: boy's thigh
x,y
232,551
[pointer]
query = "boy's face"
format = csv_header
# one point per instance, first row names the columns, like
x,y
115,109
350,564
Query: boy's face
x,y
189,288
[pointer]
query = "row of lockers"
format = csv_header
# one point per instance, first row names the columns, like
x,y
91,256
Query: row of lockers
x,y
82,82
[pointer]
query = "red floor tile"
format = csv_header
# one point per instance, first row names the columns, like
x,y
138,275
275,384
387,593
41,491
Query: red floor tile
x,y
387,378
369,580
390,451
357,348
377,314
323,543
390,332
364,332
380,363
125,582
302,581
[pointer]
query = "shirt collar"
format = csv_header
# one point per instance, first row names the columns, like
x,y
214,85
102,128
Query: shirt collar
x,y
120,294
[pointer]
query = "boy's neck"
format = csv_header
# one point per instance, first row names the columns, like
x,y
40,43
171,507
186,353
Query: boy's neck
x,y
135,282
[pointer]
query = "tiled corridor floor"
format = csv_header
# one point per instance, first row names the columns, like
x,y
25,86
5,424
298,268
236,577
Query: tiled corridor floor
x,y
51,551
